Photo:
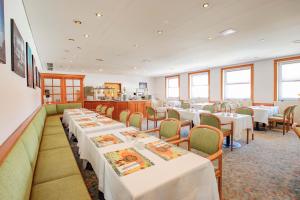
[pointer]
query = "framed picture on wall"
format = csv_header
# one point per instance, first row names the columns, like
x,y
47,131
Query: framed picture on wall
x,y
17,50
142,85
2,34
29,67
37,77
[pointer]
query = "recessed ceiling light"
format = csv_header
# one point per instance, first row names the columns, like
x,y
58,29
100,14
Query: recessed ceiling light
x,y
98,14
160,32
78,22
262,40
146,60
86,35
136,45
134,68
100,70
71,39
209,38
79,48
205,5
67,51
70,61
296,41
99,59
228,32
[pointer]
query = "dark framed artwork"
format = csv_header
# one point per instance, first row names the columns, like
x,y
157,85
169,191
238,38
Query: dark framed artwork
x,y
2,34
29,67
17,50
37,77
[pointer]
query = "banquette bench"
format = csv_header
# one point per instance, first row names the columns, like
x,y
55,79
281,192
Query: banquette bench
x,y
41,165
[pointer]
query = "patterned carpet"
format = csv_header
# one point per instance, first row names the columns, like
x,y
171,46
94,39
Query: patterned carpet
x,y
266,168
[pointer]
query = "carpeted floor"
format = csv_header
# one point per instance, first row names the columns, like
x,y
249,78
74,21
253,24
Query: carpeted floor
x,y
266,168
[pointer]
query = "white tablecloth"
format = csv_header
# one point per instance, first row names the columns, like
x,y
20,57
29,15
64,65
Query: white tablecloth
x,y
76,113
187,177
240,123
200,105
262,113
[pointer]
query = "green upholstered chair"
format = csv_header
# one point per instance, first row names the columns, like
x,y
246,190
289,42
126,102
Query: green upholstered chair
x,y
214,121
185,105
207,140
98,108
169,129
210,108
285,120
172,113
103,110
124,117
135,120
246,111
109,112
155,116
225,107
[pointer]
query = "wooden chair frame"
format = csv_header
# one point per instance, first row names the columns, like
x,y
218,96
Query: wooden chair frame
x,y
230,134
218,155
155,120
127,118
157,130
136,113
190,124
286,120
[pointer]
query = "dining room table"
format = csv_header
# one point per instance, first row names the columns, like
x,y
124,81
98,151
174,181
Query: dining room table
x,y
262,114
132,165
200,105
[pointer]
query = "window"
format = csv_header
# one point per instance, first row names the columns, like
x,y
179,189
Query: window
x,y
172,87
73,90
53,90
199,85
237,82
289,80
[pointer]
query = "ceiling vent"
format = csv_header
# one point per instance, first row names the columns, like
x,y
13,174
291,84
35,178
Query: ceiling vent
x,y
50,66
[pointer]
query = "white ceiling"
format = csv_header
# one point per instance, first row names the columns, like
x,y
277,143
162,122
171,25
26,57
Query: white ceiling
x,y
265,29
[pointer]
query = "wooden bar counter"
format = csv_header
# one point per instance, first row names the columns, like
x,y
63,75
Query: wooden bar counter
x,y
132,105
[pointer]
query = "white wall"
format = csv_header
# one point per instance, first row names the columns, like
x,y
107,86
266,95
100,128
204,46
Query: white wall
x,y
17,100
131,83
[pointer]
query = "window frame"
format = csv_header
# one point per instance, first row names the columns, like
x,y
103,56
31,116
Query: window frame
x,y
234,68
166,87
277,76
190,86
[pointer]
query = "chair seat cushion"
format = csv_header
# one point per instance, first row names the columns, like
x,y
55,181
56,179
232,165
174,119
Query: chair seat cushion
x,y
50,130
71,187
54,164
53,142
53,121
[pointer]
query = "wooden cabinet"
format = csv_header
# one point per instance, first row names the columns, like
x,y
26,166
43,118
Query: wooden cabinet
x,y
132,106
61,88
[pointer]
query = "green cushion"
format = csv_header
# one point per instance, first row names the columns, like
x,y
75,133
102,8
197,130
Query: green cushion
x,y
53,142
173,114
61,107
51,109
150,111
71,187
54,164
224,130
168,128
31,143
204,140
53,121
210,120
135,120
50,130
39,121
109,111
16,174
244,111
124,116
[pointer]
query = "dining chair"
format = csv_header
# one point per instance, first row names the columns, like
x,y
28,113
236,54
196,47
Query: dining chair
x,y
213,120
103,110
135,120
168,130
250,112
109,111
285,119
208,140
210,108
98,108
172,113
184,104
225,107
153,115
293,114
123,118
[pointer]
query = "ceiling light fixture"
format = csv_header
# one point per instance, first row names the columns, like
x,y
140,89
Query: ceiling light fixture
x,y
160,32
134,68
209,38
136,45
99,59
205,5
78,22
79,48
98,14
228,32
86,35
296,41
100,70
71,39
71,61
262,40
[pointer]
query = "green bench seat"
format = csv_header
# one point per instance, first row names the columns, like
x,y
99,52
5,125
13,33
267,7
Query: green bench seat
x,y
41,165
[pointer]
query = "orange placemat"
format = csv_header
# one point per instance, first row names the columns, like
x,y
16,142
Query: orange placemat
x,y
127,161
88,124
134,134
106,140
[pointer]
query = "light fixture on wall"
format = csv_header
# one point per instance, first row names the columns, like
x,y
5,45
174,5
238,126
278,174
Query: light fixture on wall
x,y
229,31
78,22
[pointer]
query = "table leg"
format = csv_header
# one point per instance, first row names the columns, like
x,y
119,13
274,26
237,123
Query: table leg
x,y
235,145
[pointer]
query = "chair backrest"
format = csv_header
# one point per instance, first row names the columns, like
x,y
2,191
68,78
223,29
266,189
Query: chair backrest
x,y
210,108
110,111
206,139
287,112
185,105
244,111
169,128
124,116
225,107
103,110
98,108
136,119
150,111
210,120
172,113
